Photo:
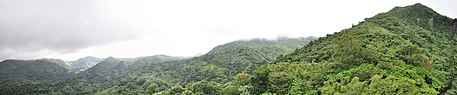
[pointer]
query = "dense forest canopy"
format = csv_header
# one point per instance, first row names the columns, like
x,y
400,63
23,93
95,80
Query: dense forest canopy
x,y
407,50
160,72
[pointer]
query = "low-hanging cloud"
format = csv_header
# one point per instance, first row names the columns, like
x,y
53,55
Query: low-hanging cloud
x,y
70,29
34,28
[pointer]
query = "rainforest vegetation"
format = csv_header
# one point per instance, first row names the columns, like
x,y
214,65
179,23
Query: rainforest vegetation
x,y
406,51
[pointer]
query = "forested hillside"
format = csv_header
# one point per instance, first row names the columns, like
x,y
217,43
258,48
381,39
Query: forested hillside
x,y
105,74
21,76
408,50
139,75
83,64
215,68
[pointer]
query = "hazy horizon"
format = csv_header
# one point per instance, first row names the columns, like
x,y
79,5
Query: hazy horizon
x,y
125,29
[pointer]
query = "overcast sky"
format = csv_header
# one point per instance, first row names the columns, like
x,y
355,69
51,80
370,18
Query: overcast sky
x,y
71,29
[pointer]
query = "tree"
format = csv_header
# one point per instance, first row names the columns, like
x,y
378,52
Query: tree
x,y
351,51
414,55
279,82
177,89
242,78
152,88
205,87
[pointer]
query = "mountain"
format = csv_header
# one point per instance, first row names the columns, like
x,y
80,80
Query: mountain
x,y
112,68
219,65
408,50
133,76
283,42
224,61
142,63
19,76
105,74
105,70
40,69
84,63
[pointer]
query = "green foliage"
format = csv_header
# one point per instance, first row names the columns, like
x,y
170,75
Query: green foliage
x,y
177,89
242,78
83,64
211,73
152,88
30,76
279,82
412,54
205,87
398,52
406,51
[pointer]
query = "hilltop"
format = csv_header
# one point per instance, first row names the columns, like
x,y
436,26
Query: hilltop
x,y
407,50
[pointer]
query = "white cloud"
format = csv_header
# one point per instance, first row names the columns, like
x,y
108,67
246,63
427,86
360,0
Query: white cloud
x,y
132,28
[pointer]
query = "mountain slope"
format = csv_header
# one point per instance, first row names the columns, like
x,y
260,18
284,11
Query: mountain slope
x,y
40,69
105,70
83,64
408,50
219,65
145,62
23,76
105,74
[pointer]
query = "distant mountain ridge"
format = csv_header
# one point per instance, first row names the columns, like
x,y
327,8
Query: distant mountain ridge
x,y
84,63
290,43
228,59
40,69
19,76
406,51
218,65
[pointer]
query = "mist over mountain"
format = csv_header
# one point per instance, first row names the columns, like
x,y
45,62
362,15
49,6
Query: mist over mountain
x,y
84,63
101,74
407,50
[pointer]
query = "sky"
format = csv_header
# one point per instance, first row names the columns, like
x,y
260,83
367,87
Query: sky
x,y
72,29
